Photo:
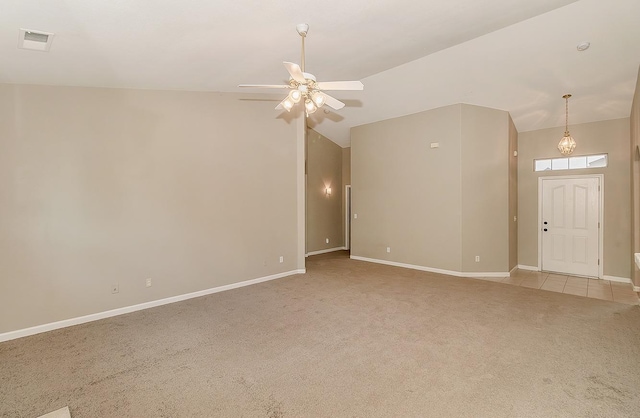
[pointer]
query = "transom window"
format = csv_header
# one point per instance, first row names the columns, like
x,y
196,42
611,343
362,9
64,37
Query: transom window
x,y
571,163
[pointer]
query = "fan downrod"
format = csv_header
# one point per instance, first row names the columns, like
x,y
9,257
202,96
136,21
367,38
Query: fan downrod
x,y
302,29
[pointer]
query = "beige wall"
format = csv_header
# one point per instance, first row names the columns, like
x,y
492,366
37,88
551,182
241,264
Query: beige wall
x,y
513,196
324,213
635,180
435,207
98,186
346,166
400,194
485,189
610,137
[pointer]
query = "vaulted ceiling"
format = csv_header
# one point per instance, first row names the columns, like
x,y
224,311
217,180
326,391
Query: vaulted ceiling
x,y
515,55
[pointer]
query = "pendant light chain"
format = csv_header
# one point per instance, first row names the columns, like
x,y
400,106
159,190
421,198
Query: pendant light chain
x,y
566,114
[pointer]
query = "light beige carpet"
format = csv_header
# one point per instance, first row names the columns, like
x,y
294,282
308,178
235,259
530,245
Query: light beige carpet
x,y
348,339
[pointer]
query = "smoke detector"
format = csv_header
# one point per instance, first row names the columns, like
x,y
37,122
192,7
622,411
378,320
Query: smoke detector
x,y
34,40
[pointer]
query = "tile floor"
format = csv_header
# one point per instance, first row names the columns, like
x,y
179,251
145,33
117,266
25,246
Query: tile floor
x,y
579,286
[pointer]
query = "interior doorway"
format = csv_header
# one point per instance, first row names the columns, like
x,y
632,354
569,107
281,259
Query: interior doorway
x,y
347,217
570,225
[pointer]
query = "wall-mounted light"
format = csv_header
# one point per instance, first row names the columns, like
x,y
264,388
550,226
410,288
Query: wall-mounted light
x,y
327,191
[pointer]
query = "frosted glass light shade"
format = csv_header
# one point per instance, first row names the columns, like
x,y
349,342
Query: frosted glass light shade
x,y
295,95
287,104
309,106
318,99
567,144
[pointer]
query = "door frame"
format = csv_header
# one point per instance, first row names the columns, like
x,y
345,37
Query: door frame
x,y
600,178
347,216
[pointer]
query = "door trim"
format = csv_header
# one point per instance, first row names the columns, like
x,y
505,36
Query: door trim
x,y
347,216
600,178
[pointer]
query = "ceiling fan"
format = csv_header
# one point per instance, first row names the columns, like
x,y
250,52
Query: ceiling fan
x,y
304,86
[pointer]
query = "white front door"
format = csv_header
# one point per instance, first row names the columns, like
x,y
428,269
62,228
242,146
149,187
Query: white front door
x,y
569,224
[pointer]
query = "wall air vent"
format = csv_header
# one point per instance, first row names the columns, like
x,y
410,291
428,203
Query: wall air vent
x,y
34,40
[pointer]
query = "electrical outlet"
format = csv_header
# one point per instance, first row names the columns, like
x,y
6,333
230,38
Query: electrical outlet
x,y
115,288
388,249
477,259
149,282
326,240
281,259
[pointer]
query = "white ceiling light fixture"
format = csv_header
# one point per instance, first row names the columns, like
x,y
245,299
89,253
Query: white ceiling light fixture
x,y
34,40
304,86
567,143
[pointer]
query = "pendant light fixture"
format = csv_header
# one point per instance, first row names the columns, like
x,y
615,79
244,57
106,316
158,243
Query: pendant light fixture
x,y
567,143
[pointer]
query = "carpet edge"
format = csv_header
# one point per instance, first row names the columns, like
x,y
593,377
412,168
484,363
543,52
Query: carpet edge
x,y
25,332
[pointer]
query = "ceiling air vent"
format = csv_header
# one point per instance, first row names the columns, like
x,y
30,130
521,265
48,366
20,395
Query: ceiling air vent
x,y
35,40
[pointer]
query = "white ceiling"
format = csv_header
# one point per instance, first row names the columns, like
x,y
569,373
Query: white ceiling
x,y
412,55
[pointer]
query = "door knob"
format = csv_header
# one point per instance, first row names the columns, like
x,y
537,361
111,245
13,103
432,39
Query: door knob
x,y
545,230
545,222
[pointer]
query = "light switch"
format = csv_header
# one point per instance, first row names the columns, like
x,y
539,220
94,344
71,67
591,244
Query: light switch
x,y
355,216
435,144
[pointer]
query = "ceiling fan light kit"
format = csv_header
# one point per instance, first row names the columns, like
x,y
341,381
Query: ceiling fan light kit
x,y
304,86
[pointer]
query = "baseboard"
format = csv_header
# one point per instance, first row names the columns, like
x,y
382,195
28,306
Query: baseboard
x,y
12,335
498,274
617,279
636,288
513,269
431,269
528,268
328,250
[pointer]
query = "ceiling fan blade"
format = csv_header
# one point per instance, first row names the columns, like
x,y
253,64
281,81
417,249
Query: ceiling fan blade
x,y
295,71
332,102
341,85
266,86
